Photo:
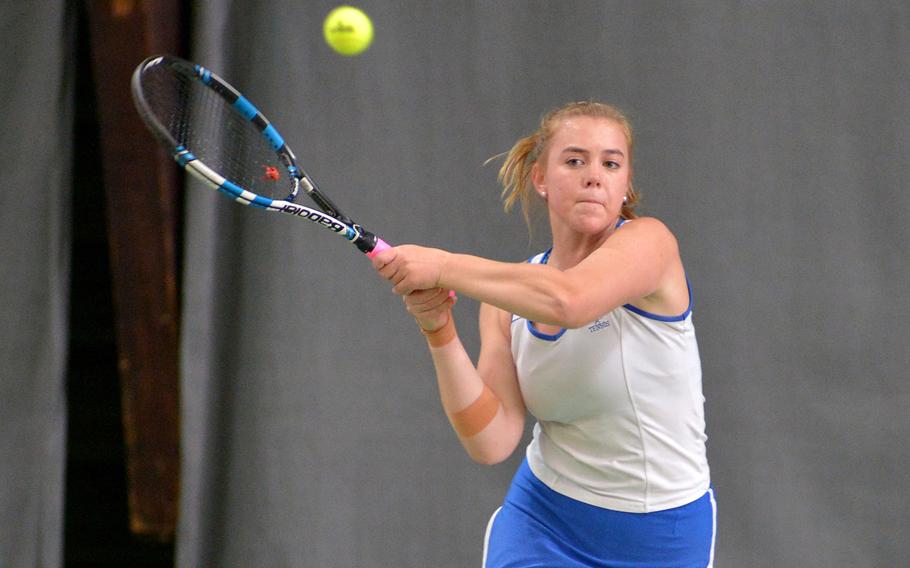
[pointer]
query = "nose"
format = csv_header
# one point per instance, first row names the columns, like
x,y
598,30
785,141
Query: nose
x,y
593,177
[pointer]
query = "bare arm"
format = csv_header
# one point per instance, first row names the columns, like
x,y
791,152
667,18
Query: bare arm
x,y
461,383
635,264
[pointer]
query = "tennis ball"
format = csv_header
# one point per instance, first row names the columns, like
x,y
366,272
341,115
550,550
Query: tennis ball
x,y
348,30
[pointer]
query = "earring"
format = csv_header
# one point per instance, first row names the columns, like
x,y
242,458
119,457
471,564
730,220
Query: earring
x,y
625,199
543,194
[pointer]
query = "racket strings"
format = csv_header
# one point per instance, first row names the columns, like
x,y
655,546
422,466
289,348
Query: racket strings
x,y
209,127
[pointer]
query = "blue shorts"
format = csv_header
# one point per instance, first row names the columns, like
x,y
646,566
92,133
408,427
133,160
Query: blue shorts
x,y
537,527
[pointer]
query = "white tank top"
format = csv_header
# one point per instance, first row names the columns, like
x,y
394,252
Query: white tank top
x,y
619,406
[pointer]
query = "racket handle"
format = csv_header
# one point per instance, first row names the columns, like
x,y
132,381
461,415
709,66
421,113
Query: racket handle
x,y
381,245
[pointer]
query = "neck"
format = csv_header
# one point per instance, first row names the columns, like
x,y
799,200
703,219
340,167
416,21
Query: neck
x,y
571,248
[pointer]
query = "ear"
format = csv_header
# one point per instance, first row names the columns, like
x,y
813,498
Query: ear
x,y
537,178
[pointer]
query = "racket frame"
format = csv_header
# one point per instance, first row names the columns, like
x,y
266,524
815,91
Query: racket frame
x,y
328,215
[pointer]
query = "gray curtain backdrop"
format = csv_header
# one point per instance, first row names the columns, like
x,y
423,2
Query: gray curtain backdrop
x,y
35,140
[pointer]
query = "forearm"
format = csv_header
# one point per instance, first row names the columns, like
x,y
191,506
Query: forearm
x,y
538,292
488,432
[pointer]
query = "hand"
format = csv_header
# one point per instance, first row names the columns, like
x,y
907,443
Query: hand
x,y
410,267
430,308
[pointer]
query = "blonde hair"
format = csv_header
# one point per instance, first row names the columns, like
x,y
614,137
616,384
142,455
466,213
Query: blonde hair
x,y
515,173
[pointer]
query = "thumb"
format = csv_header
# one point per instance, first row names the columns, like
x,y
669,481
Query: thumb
x,y
384,258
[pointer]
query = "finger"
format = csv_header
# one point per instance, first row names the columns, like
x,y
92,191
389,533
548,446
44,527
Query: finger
x,y
422,302
428,310
393,272
384,270
402,288
384,258
401,284
425,300
420,296
430,296
390,273
398,277
442,298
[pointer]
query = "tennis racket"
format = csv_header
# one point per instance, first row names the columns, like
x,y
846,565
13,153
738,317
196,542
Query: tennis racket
x,y
217,135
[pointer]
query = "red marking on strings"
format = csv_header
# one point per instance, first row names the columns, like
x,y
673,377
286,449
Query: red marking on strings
x,y
271,173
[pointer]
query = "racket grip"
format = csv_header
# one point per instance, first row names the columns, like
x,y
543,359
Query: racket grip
x,y
381,245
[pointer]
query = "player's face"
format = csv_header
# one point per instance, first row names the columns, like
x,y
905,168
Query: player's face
x,y
585,174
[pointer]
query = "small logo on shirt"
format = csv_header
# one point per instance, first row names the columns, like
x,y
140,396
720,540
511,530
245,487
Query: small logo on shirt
x,y
598,325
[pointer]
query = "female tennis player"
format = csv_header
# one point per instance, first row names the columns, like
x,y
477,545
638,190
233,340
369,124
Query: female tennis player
x,y
595,338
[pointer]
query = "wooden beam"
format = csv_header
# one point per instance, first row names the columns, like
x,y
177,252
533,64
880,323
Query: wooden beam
x,y
142,187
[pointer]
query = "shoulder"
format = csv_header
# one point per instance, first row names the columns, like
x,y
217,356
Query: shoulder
x,y
655,249
649,224
650,230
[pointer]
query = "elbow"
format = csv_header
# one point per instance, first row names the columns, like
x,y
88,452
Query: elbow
x,y
572,320
566,310
492,448
488,456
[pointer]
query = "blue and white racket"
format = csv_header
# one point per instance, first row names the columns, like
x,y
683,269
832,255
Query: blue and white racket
x,y
219,137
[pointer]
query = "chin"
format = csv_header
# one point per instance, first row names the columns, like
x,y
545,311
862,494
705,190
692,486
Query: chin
x,y
592,227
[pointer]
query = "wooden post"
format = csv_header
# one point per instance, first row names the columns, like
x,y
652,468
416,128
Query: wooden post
x,y
142,185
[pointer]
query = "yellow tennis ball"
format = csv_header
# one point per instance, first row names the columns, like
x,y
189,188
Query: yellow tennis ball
x,y
348,30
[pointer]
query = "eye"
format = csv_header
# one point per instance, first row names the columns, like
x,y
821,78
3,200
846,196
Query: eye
x,y
611,165
575,162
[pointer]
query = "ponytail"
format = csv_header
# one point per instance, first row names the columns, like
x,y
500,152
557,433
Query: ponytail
x,y
515,174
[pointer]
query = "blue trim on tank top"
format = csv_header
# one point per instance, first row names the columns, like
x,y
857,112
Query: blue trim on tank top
x,y
644,313
545,336
659,317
